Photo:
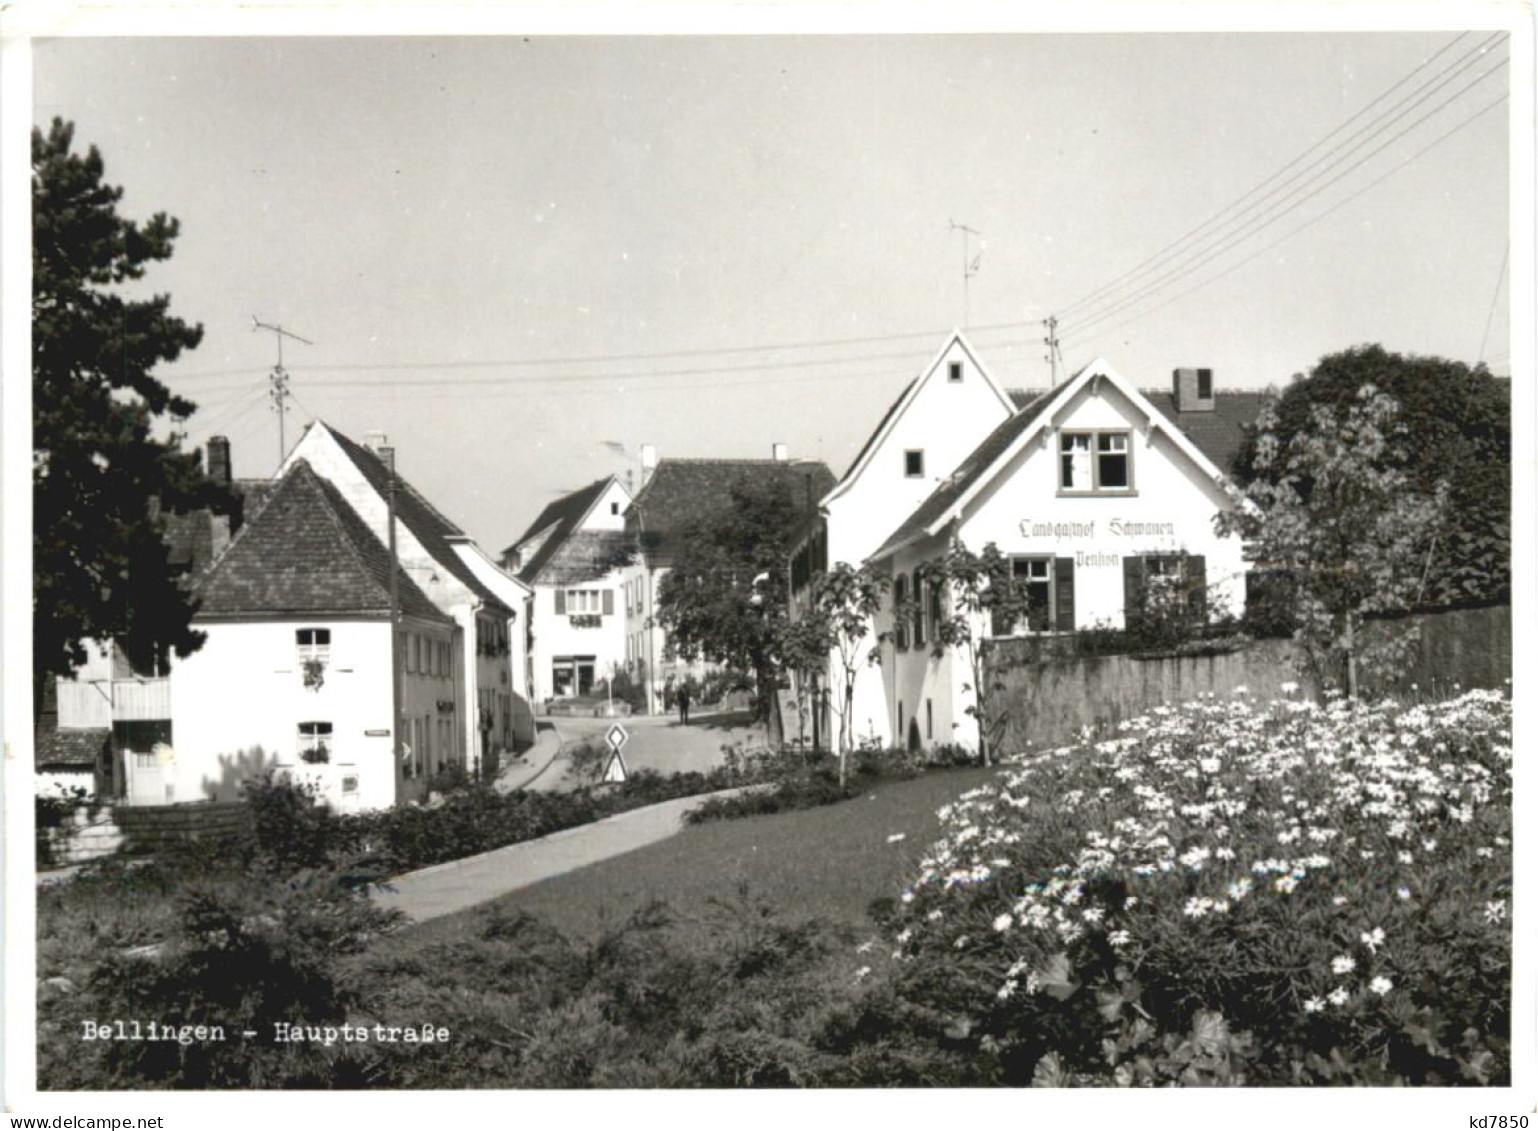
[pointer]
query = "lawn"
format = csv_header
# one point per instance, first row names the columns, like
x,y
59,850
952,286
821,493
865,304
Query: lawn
x,y
830,862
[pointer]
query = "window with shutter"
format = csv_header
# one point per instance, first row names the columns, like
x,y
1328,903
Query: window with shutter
x,y
608,602
560,602
1132,573
1062,592
921,610
1196,585
900,612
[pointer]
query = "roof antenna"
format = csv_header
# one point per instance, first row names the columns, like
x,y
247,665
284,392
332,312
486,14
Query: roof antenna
x,y
969,266
278,379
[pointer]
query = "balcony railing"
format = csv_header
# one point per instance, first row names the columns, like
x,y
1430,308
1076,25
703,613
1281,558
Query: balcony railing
x,y
141,699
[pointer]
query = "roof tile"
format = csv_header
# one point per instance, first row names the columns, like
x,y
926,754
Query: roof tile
x,y
307,553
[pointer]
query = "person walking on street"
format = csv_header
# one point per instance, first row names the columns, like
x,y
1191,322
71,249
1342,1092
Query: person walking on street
x,y
683,704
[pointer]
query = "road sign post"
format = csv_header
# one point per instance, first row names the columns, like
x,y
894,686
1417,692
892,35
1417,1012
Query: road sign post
x,y
615,770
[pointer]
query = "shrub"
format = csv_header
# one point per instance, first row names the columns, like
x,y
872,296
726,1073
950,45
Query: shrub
x,y
242,953
292,829
1227,893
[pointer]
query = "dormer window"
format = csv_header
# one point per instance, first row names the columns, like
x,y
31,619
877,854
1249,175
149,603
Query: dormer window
x,y
953,371
913,463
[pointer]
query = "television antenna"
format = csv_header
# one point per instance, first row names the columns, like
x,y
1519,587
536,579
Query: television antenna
x,y
969,265
278,378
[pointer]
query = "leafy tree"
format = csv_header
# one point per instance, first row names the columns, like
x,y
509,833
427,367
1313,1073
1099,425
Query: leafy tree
x,y
1456,423
725,596
101,481
836,622
980,590
1336,507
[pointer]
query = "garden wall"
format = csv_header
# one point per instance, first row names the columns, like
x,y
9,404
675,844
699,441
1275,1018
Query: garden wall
x,y
1048,699
149,828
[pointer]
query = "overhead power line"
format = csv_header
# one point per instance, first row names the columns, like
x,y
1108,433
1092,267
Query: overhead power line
x,y
602,359
1141,268
1466,122
1237,238
1500,277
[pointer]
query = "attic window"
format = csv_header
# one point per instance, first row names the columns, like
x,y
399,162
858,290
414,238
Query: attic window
x,y
614,508
953,371
313,643
913,463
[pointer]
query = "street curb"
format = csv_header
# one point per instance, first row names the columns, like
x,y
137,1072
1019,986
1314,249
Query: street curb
x,y
684,803
560,742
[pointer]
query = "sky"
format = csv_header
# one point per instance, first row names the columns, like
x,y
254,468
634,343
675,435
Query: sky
x,y
523,257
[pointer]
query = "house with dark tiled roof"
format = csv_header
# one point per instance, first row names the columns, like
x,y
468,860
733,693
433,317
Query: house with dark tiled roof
x,y
1098,493
455,575
572,558
107,695
295,672
675,494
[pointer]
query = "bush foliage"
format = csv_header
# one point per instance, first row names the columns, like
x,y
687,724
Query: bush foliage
x,y
1227,893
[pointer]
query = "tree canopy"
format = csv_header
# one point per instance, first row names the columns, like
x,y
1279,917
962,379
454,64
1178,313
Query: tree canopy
x,y
1456,423
725,596
1336,508
101,480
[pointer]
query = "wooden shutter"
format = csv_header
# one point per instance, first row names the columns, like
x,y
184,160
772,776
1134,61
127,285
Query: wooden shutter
x,y
1062,588
1196,585
920,609
1132,590
560,602
608,602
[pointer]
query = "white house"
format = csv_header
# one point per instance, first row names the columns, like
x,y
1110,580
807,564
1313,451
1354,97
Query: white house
x,y
935,422
570,560
512,697
675,493
295,673
426,543
1091,489
106,712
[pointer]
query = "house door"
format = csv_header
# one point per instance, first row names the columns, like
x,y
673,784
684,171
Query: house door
x,y
148,781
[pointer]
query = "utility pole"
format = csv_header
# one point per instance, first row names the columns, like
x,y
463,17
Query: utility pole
x,y
969,266
1054,347
278,379
387,457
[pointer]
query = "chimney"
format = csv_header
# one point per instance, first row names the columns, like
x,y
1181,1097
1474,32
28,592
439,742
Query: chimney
x,y
781,453
375,442
219,460
648,462
1193,390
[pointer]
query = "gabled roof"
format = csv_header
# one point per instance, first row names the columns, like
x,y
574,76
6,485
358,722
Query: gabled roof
x,y
910,392
967,473
427,524
307,553
555,526
77,748
680,491
1219,435
1220,432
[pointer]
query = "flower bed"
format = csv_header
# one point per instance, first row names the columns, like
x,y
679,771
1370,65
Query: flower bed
x,y
1231,893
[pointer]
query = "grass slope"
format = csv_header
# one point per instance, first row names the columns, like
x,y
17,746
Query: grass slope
x,y
829,862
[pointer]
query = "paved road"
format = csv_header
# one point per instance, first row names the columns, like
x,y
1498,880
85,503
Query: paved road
x,y
446,888
656,743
